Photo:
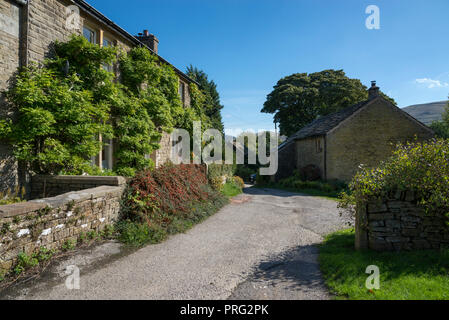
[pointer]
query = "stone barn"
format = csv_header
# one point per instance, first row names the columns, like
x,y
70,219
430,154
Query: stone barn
x,y
336,145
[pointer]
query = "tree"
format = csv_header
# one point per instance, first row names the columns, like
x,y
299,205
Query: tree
x,y
441,128
300,98
211,105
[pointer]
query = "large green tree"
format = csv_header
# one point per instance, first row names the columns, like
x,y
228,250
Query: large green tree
x,y
300,98
211,105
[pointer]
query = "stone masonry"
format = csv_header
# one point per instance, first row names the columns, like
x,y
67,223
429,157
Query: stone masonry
x,y
398,223
50,223
43,186
10,17
28,30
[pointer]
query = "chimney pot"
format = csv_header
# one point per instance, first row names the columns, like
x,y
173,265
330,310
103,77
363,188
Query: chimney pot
x,y
149,39
373,92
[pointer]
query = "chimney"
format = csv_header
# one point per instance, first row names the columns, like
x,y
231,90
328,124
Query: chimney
x,y
149,39
373,92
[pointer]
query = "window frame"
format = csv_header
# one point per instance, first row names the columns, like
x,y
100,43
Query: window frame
x,y
93,33
106,40
182,93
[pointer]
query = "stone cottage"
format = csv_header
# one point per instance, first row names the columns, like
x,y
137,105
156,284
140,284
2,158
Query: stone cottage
x,y
27,30
339,143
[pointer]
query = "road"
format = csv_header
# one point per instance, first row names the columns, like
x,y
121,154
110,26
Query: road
x,y
261,246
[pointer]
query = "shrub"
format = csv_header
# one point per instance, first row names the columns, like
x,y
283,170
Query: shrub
x,y
25,261
244,172
139,234
166,200
220,170
419,167
61,106
12,196
216,183
238,182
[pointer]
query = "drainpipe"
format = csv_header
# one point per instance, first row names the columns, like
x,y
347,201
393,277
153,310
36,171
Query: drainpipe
x,y
325,157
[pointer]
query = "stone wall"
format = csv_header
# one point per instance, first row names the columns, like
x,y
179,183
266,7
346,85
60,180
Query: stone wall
x,y
50,186
11,14
287,162
399,224
163,154
50,223
368,138
310,151
46,24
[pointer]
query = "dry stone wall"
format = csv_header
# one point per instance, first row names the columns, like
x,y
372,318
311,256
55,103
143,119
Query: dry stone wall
x,y
50,223
398,223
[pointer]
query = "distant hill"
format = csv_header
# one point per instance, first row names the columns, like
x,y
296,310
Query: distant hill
x,y
428,112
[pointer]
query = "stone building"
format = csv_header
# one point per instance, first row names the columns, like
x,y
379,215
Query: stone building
x,y
27,30
363,134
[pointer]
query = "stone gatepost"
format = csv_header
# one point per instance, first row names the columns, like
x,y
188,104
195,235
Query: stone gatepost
x,y
361,231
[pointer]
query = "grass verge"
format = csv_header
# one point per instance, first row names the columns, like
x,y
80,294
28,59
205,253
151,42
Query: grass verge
x,y
231,190
416,275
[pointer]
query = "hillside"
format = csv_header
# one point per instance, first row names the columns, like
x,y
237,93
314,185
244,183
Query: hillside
x,y
428,112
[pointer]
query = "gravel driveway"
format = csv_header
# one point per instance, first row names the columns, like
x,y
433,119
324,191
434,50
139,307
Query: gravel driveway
x,y
261,246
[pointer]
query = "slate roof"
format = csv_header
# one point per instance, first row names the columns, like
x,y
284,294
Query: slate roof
x,y
323,125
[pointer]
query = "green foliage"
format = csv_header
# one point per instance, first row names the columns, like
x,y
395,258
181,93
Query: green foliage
x,y
64,106
422,167
25,261
231,188
300,98
55,124
12,196
416,275
441,128
68,245
164,201
220,170
139,234
244,172
238,182
210,104
328,189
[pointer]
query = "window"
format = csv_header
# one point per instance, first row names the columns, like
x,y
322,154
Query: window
x,y
182,91
108,43
89,34
107,155
318,146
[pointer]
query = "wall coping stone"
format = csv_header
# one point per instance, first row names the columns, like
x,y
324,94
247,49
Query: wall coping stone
x,y
16,209
110,181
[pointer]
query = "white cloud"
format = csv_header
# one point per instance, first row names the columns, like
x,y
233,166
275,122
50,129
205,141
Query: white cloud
x,y
430,83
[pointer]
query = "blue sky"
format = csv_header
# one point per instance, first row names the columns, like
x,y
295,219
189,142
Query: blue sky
x,y
246,46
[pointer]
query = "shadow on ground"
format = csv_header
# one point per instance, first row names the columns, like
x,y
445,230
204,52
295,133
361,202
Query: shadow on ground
x,y
293,274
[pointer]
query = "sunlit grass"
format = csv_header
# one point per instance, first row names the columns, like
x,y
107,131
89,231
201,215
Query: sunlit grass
x,y
416,275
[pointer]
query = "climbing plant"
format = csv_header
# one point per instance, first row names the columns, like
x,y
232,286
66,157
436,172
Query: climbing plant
x,y
64,105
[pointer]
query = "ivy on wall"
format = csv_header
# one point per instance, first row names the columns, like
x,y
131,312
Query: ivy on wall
x,y
63,106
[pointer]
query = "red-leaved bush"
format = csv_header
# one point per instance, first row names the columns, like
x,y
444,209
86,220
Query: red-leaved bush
x,y
158,196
